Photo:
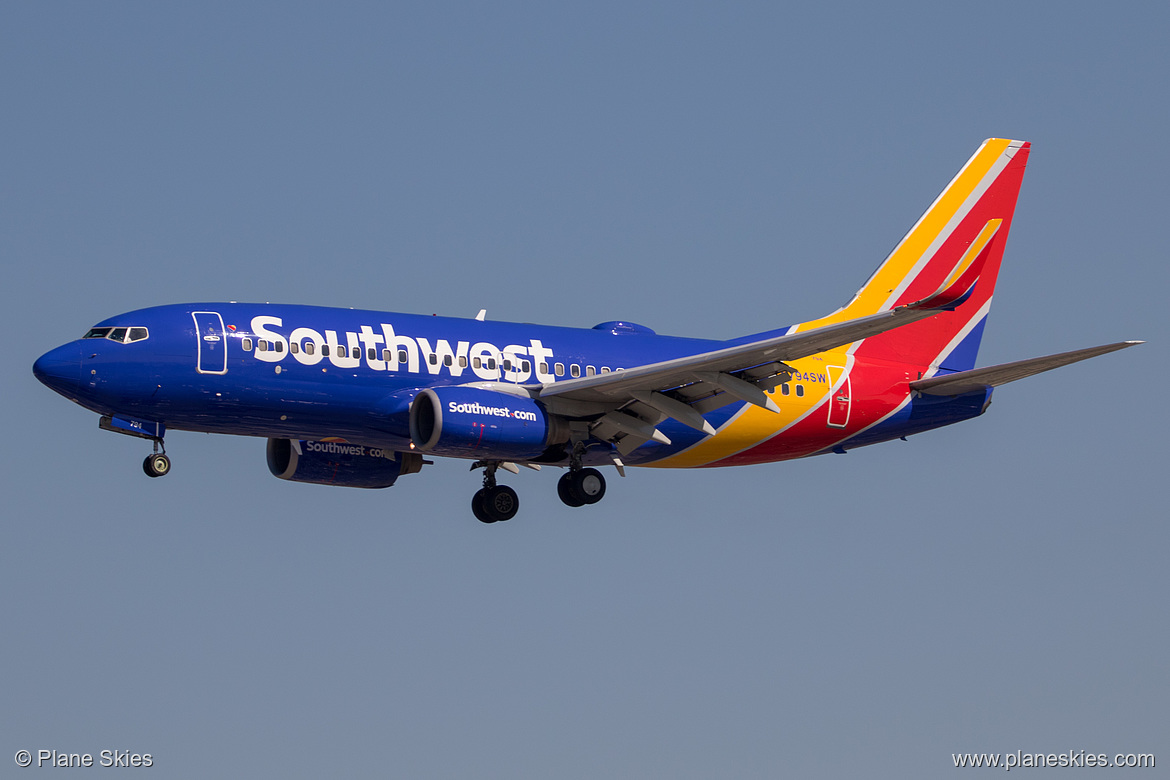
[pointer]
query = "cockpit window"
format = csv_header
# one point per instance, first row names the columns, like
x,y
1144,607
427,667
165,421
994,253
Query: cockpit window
x,y
120,335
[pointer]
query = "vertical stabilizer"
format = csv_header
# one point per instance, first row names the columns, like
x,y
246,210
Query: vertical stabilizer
x,y
959,239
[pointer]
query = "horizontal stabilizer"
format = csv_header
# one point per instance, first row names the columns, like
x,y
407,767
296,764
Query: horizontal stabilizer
x,y
993,376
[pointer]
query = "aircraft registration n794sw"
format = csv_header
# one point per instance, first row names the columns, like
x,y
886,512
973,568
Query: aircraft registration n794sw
x,y
360,398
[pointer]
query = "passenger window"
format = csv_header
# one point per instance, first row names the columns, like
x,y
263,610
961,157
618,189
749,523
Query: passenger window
x,y
447,361
386,355
97,333
525,366
575,370
293,347
800,390
785,389
280,346
475,362
117,334
246,344
463,361
559,369
543,368
372,354
402,356
605,369
324,349
590,371
138,334
491,364
262,346
309,347
433,359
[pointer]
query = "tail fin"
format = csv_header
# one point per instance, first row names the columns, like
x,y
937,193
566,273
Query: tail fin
x,y
950,259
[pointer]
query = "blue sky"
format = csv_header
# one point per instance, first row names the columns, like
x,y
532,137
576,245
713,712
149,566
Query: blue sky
x,y
707,171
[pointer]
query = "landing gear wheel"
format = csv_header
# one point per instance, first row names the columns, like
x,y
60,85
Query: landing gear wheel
x,y
501,502
156,465
568,492
578,488
590,485
478,509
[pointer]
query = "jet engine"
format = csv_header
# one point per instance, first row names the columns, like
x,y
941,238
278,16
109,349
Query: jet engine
x,y
472,422
338,463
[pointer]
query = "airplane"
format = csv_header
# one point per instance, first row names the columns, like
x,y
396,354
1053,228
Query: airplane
x,y
360,398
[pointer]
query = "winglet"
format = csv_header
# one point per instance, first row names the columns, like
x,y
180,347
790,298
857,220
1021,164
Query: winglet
x,y
960,282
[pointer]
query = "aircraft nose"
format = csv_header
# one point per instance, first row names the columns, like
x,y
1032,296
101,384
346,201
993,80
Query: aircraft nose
x,y
60,369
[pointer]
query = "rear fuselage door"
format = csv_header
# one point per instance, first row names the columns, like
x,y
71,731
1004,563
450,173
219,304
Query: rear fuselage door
x,y
212,343
839,397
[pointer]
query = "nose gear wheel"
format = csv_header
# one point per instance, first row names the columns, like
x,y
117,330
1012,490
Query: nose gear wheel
x,y
157,465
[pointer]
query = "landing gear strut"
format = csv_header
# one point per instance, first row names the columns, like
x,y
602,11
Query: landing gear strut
x,y
157,464
493,503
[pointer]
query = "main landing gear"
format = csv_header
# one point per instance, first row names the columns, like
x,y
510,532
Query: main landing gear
x,y
581,487
157,464
493,503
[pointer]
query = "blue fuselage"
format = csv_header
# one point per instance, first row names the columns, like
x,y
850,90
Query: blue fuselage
x,y
352,375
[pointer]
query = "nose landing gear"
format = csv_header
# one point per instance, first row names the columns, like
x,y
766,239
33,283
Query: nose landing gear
x,y
157,464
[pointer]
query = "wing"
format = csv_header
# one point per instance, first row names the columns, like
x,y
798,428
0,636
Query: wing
x,y
625,406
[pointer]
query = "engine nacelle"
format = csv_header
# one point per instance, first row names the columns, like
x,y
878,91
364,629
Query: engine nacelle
x,y
332,463
472,422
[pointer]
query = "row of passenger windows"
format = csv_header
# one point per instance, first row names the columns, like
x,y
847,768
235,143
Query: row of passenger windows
x,y
127,335
120,335
387,355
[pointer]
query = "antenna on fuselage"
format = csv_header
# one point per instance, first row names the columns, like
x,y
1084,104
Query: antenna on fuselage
x,y
481,315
